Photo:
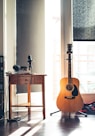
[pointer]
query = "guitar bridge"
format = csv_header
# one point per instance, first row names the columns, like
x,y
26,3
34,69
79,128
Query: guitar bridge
x,y
69,97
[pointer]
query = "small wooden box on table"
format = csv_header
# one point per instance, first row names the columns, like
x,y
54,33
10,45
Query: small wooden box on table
x,y
28,80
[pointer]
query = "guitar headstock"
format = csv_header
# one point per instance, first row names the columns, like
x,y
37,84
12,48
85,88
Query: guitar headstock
x,y
69,51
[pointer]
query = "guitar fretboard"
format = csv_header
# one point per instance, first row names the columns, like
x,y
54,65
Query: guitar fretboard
x,y
69,67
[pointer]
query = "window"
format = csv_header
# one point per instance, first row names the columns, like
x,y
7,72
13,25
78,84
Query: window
x,y
84,65
84,44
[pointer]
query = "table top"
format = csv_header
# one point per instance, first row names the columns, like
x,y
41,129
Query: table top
x,y
25,73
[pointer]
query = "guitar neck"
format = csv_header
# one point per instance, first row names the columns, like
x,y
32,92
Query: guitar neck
x,y
69,69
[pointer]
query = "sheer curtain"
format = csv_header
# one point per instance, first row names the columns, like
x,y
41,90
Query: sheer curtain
x,y
52,51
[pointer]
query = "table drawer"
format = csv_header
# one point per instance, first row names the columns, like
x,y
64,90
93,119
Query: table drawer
x,y
24,79
37,80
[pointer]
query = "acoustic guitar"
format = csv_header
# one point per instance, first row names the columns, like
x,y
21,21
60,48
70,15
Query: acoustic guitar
x,y
69,98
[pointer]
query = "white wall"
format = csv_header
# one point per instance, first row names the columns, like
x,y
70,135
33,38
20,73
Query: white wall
x,y
30,41
31,34
9,41
11,34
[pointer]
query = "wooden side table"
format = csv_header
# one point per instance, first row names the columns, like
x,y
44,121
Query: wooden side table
x,y
26,79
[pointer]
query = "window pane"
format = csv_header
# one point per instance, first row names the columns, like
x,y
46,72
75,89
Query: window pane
x,y
84,65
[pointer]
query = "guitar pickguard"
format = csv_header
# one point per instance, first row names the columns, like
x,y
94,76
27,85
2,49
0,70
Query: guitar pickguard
x,y
75,91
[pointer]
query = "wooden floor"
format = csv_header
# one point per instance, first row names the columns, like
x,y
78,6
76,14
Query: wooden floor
x,y
52,126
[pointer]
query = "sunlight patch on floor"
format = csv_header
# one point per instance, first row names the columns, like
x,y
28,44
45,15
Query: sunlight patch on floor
x,y
85,128
20,131
35,129
35,121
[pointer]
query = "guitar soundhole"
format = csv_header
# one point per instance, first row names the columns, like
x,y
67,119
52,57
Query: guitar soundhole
x,y
69,87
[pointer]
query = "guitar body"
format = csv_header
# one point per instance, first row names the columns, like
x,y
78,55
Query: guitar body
x,y
67,102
